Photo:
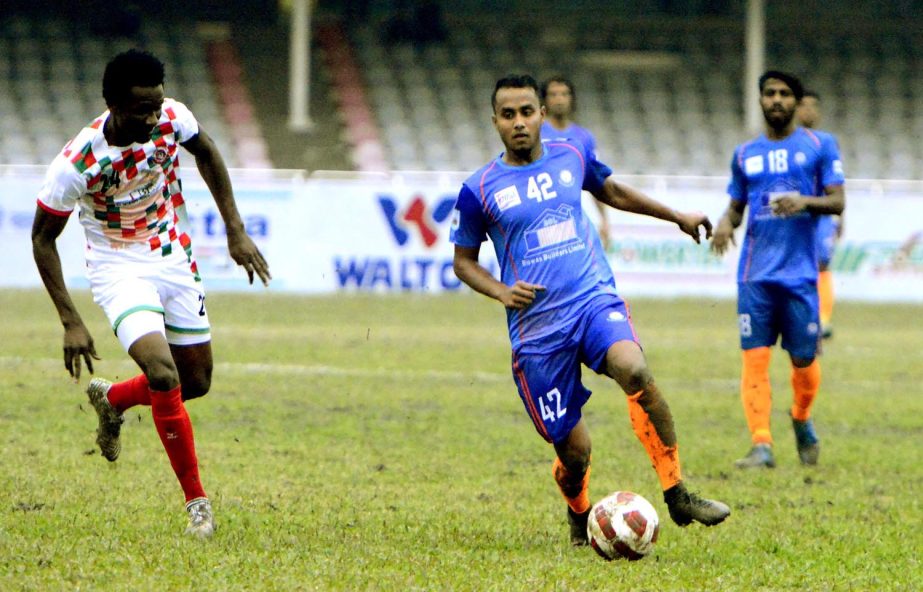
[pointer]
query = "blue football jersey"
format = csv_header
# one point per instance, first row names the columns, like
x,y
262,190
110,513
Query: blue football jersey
x,y
571,132
782,248
534,219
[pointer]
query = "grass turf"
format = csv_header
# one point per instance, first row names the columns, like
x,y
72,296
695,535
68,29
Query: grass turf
x,y
378,443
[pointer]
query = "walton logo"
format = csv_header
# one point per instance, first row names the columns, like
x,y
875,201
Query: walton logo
x,y
416,214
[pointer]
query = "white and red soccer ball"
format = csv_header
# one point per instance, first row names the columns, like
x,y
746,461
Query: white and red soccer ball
x,y
623,525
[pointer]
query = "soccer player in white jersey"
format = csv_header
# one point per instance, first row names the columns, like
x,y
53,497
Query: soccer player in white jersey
x,y
559,293
121,171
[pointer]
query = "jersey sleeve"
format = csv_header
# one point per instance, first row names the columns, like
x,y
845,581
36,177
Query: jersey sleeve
x,y
185,125
831,172
737,186
595,172
590,144
469,224
62,188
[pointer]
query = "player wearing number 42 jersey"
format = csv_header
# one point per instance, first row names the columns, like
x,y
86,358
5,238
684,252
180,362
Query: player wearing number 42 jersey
x,y
121,172
787,177
560,298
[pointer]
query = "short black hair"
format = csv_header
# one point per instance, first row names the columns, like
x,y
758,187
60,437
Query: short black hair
x,y
790,79
811,93
565,82
514,81
129,69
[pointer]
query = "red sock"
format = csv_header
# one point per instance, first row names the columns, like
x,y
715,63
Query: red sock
x,y
175,432
127,394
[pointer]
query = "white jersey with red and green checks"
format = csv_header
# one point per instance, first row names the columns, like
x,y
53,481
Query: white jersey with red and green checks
x,y
129,197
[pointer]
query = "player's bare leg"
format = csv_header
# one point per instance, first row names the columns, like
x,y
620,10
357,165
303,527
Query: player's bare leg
x,y
194,364
571,470
653,425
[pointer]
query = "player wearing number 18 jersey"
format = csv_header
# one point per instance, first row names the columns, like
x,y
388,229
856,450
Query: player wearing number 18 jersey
x,y
787,177
560,297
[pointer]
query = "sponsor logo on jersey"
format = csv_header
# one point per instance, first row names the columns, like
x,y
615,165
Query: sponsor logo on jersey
x,y
507,198
753,165
554,229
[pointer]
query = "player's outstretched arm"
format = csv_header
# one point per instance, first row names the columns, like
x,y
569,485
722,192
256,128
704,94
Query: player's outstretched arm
x,y
78,343
520,295
215,173
724,232
623,197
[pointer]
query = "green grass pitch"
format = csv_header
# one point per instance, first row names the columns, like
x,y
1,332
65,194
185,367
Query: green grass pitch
x,y
377,443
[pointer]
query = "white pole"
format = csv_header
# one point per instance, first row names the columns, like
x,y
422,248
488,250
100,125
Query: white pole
x,y
300,67
756,63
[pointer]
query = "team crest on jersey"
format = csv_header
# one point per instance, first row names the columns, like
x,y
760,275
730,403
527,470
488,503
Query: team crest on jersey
x,y
507,198
800,158
566,178
753,165
161,156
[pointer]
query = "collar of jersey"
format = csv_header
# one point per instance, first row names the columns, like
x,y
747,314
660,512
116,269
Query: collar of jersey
x,y
511,167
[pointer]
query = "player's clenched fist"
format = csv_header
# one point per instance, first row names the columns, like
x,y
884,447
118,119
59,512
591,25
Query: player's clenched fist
x,y
520,295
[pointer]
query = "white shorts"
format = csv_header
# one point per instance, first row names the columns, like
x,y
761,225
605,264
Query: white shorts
x,y
163,296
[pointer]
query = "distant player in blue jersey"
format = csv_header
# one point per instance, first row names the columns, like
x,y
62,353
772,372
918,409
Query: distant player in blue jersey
x,y
829,228
788,176
560,298
560,101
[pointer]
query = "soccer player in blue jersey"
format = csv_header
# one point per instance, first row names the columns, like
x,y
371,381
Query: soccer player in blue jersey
x,y
560,100
787,176
560,298
829,228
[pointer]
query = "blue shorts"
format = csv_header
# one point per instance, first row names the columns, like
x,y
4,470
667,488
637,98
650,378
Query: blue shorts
x,y
827,227
766,310
548,372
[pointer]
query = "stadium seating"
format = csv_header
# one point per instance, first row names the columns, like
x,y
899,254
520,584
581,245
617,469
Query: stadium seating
x,y
51,86
683,115
662,96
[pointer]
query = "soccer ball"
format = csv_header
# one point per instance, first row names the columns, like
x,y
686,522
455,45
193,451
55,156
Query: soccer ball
x,y
623,525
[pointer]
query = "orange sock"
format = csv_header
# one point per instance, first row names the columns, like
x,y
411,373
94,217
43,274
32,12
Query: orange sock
x,y
653,425
756,393
574,488
825,295
805,384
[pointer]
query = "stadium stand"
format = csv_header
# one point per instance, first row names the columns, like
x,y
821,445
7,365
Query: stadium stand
x,y
661,95
51,85
661,91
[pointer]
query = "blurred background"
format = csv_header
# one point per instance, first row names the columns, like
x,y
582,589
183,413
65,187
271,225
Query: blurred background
x,y
349,126
405,85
